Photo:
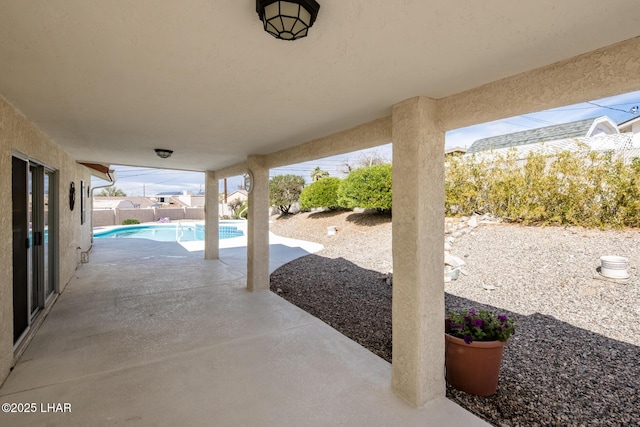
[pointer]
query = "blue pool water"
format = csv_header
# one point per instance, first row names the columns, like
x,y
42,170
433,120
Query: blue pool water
x,y
165,232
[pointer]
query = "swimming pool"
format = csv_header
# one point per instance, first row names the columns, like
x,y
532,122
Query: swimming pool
x,y
176,232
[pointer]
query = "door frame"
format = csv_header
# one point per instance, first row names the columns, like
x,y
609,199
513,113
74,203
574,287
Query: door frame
x,y
36,253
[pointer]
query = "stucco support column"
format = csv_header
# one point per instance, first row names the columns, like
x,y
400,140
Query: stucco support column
x,y
211,216
258,226
418,255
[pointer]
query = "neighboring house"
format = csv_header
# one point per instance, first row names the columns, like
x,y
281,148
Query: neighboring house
x,y
568,131
112,204
180,199
631,126
598,134
100,202
189,200
166,196
238,194
224,209
455,150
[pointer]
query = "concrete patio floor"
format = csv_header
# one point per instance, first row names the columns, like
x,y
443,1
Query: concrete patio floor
x,y
149,333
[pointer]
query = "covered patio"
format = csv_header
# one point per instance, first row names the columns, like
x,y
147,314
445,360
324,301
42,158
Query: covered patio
x,y
102,83
152,334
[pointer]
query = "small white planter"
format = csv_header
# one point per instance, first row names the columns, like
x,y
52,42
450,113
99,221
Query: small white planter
x,y
614,267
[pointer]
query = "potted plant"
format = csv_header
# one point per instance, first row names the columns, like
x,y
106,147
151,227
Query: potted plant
x,y
473,349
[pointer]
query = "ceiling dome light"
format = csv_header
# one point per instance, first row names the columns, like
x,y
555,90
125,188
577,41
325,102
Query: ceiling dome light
x,y
287,20
163,154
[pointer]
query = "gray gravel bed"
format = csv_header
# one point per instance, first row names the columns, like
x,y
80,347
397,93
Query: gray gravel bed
x,y
574,360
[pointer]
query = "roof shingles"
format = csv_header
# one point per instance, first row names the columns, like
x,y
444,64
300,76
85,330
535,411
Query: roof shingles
x,y
549,133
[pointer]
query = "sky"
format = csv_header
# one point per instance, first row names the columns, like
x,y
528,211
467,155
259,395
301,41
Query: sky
x,y
148,182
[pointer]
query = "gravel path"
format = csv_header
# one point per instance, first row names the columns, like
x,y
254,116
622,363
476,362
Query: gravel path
x,y
574,360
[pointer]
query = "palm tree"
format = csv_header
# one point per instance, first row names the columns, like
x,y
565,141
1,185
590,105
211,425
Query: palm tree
x,y
318,173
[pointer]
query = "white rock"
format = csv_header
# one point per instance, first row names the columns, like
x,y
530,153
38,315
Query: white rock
x,y
473,222
454,274
453,261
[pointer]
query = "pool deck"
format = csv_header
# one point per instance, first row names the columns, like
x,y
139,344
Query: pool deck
x,y
282,250
150,333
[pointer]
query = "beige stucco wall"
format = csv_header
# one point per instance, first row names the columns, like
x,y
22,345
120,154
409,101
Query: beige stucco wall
x,y
418,370
194,213
367,135
604,72
177,214
19,135
6,268
608,71
211,231
106,217
142,215
418,257
258,226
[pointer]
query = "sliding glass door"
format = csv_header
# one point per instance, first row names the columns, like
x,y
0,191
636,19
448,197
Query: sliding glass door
x,y
33,238
49,233
21,247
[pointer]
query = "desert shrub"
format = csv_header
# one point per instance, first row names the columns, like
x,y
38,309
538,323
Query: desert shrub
x,y
461,189
284,191
111,192
235,204
367,187
322,193
130,221
238,208
584,187
241,211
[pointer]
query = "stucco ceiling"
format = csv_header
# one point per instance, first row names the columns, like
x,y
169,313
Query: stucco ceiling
x,y
112,80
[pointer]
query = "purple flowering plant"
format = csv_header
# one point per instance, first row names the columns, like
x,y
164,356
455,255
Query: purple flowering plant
x,y
481,325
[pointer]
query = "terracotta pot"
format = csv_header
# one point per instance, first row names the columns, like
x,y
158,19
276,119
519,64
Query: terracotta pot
x,y
473,368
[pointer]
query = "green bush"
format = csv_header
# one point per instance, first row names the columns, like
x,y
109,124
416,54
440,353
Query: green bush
x,y
322,193
368,188
241,211
284,191
130,221
585,188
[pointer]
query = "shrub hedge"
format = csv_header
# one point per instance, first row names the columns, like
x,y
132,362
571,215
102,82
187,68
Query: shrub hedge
x,y
582,188
322,193
585,188
368,188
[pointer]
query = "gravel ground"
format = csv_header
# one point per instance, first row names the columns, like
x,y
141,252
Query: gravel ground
x,y
574,360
